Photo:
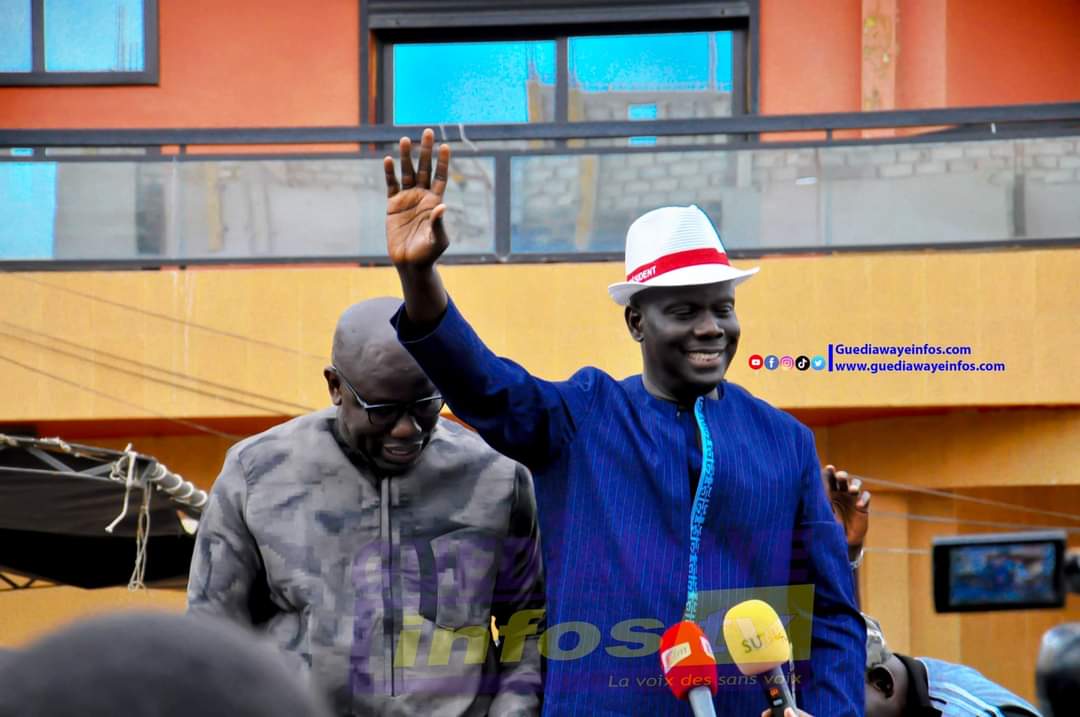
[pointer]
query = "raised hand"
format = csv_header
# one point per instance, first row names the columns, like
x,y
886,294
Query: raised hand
x,y
850,504
415,235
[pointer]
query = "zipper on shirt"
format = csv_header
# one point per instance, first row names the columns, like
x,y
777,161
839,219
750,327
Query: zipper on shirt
x,y
386,535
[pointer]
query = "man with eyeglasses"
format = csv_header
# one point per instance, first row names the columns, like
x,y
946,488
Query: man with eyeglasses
x,y
375,541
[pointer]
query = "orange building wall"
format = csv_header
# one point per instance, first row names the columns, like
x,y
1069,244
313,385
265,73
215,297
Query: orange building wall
x,y
277,63
921,38
247,63
1002,52
810,56
948,53
240,63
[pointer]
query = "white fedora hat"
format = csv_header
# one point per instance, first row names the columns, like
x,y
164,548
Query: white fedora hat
x,y
674,246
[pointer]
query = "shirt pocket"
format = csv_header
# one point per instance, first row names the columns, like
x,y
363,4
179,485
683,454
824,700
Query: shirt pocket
x,y
465,563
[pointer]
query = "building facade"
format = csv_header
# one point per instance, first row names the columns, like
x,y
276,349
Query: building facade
x,y
178,289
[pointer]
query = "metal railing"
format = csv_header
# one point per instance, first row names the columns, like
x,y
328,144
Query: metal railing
x,y
544,192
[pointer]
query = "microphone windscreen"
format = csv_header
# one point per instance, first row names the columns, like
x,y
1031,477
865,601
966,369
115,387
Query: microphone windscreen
x,y
755,637
687,659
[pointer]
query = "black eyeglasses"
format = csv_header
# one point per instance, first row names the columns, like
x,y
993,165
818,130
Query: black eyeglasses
x,y
386,414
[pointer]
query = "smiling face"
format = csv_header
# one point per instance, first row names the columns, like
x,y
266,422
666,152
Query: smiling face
x,y
383,373
688,337
369,362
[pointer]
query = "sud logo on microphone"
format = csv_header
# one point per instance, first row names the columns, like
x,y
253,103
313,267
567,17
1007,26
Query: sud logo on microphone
x,y
759,645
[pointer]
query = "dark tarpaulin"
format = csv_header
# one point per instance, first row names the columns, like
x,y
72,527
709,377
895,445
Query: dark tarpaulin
x,y
56,500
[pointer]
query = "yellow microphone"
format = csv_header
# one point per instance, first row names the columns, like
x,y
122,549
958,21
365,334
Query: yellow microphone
x,y
758,643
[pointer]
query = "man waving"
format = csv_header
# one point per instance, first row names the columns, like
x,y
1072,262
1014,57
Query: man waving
x,y
652,488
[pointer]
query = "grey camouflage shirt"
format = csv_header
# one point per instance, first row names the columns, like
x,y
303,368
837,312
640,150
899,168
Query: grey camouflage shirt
x,y
382,588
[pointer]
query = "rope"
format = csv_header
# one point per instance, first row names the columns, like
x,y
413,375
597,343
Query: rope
x,y
142,541
972,522
137,581
968,498
56,443
117,473
461,133
900,551
468,143
59,443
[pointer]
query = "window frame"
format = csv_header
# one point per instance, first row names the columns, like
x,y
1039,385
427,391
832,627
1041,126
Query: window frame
x,y
38,76
743,29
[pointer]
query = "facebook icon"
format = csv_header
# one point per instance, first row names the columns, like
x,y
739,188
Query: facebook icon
x,y
772,362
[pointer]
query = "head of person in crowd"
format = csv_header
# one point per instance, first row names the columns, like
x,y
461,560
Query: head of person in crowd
x,y
679,296
386,406
157,664
886,676
1057,672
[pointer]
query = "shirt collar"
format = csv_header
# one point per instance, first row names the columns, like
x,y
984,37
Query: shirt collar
x,y
918,690
670,407
357,457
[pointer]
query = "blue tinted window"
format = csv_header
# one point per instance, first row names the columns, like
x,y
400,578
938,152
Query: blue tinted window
x,y
642,113
15,36
682,75
94,36
28,205
678,61
474,82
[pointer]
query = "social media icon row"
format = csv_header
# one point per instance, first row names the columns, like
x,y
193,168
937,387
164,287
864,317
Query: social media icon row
x,y
772,362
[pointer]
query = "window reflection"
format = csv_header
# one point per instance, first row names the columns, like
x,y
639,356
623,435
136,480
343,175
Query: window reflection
x,y
102,36
799,197
476,82
221,208
15,53
680,75
28,205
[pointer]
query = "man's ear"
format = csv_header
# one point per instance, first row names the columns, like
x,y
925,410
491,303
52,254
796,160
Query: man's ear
x,y
333,385
633,322
882,680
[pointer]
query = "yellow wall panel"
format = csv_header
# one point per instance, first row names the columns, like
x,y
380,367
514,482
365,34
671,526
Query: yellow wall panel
x,y
26,615
961,449
271,330
1024,459
886,571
